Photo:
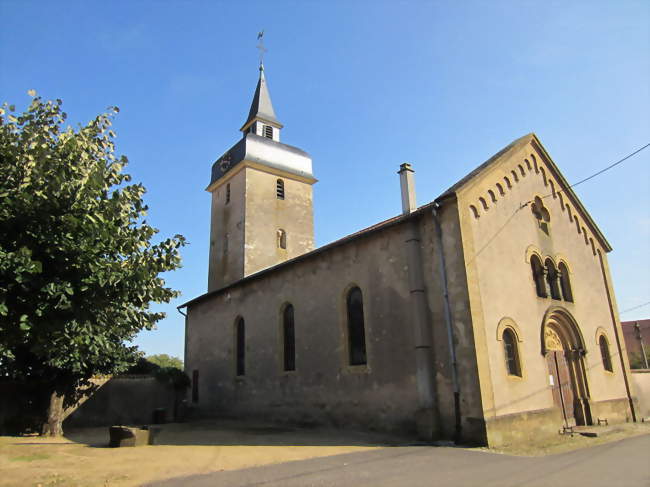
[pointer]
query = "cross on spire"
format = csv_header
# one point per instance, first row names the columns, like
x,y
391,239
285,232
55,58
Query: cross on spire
x,y
262,49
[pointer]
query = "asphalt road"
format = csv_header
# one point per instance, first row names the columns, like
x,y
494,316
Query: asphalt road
x,y
618,464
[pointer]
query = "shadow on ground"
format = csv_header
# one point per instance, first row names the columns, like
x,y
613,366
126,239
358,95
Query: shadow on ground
x,y
245,433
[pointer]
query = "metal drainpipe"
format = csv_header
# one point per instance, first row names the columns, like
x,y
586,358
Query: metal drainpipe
x,y
448,321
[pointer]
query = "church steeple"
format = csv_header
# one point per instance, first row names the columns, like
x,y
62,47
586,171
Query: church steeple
x,y
261,116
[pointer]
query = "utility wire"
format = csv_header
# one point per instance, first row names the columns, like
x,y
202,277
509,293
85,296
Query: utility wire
x,y
635,307
599,172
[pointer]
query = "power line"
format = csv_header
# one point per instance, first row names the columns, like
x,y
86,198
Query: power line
x,y
635,307
601,171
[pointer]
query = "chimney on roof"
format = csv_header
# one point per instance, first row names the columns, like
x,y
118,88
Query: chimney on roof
x,y
407,183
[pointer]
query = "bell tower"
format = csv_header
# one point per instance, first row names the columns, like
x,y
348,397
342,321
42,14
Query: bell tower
x,y
262,211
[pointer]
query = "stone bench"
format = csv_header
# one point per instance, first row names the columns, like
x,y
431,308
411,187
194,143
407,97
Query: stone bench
x,y
129,436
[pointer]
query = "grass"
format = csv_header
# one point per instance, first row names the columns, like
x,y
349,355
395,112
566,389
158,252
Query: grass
x,y
30,458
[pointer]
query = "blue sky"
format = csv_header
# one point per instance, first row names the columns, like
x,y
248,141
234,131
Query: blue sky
x,y
362,86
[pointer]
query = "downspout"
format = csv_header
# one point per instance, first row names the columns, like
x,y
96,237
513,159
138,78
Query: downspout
x,y
427,417
185,344
618,339
448,320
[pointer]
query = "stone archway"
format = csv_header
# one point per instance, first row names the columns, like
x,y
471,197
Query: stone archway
x,y
564,349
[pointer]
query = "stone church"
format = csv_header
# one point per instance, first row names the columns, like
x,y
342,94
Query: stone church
x,y
487,315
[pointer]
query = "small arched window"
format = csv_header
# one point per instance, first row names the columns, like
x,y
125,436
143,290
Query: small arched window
x,y
500,188
514,176
288,338
521,170
508,183
534,163
279,189
538,276
530,168
551,278
604,352
511,353
240,346
356,327
552,188
565,282
492,196
483,203
227,193
541,169
474,211
282,239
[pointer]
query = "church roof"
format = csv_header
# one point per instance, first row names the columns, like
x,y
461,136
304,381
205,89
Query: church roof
x,y
261,107
448,194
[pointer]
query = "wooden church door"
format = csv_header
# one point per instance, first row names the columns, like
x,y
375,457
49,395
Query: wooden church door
x,y
560,377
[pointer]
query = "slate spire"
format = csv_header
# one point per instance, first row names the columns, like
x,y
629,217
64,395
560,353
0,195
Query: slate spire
x,y
261,108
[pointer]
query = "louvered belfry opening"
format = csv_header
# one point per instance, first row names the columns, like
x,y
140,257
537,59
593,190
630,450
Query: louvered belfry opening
x,y
268,131
279,189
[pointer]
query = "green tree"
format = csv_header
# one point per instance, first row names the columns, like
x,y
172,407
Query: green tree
x,y
78,268
163,360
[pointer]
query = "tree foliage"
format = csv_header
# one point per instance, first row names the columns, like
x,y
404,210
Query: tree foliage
x,y
164,360
78,268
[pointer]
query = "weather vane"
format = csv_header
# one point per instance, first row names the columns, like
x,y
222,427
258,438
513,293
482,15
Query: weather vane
x,y
260,46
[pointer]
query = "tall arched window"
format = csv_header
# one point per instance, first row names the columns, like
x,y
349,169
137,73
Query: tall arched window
x,y
279,189
538,276
511,352
551,278
289,338
565,282
240,346
356,327
604,352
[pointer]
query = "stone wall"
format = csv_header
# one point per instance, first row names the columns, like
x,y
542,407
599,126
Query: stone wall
x,y
641,387
127,400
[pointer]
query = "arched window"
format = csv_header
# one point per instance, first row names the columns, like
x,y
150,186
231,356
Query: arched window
x,y
604,352
511,352
289,338
565,282
227,193
279,189
551,278
538,276
282,239
356,327
240,347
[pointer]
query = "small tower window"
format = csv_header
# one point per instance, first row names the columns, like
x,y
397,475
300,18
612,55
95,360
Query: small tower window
x,y
268,131
279,189
282,239
227,193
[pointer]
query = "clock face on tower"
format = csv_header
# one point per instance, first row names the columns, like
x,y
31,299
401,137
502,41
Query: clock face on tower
x,y
225,162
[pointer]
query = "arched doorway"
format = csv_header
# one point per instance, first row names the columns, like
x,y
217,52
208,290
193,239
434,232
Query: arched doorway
x,y
564,349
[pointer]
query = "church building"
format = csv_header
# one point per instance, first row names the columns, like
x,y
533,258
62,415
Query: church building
x,y
485,316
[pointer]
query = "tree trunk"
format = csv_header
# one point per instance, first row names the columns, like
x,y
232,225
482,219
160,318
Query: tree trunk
x,y
54,424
